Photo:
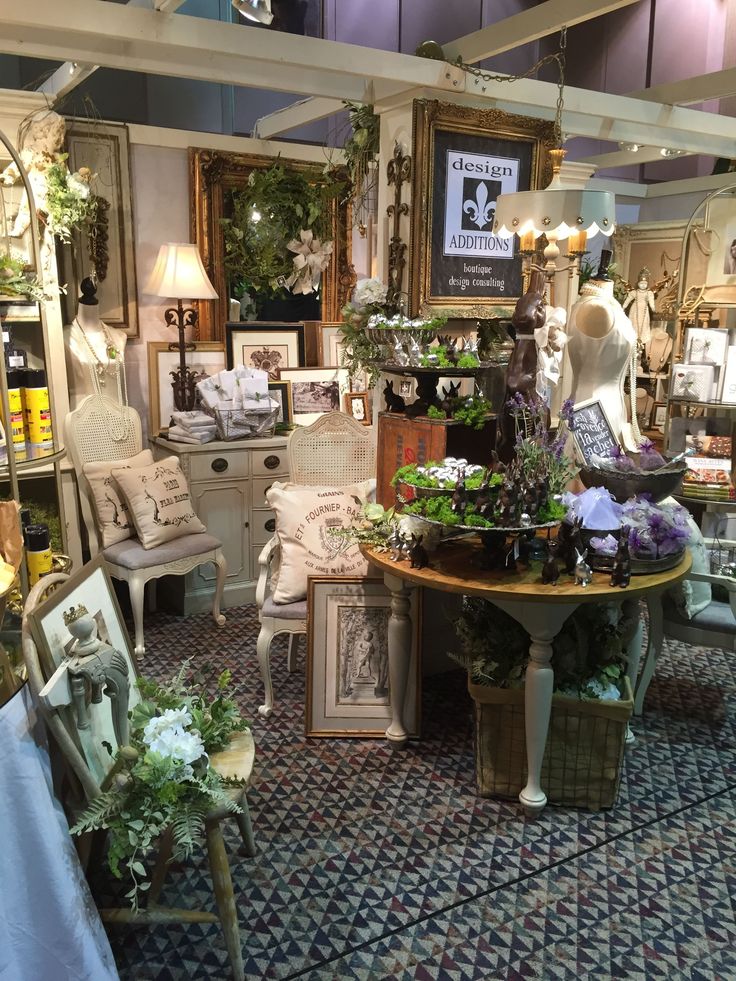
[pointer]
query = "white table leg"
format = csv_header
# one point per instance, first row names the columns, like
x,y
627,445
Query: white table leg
x,y
399,655
542,621
654,648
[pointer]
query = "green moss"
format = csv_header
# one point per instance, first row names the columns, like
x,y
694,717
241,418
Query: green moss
x,y
473,412
467,361
410,475
434,413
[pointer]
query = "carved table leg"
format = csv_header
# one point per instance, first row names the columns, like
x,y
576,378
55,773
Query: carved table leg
x,y
542,621
399,655
633,630
654,648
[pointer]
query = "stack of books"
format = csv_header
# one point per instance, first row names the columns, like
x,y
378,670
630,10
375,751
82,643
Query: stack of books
x,y
709,469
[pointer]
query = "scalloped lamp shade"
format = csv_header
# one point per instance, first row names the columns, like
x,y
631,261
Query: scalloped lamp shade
x,y
179,274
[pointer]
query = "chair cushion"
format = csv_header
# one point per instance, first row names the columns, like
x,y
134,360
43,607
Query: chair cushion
x,y
308,525
131,554
716,616
159,502
114,522
286,611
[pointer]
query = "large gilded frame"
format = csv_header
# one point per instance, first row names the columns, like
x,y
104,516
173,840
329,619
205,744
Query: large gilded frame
x,y
212,173
428,117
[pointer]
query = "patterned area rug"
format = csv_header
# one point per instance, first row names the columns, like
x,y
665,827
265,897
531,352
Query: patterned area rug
x,y
374,864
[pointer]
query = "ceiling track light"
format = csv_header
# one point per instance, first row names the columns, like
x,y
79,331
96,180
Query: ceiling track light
x,y
670,154
630,147
255,10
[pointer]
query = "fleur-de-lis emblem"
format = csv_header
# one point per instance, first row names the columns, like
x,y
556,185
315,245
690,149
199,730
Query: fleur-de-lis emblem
x,y
481,210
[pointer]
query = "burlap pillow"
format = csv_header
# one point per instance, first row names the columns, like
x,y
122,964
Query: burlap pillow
x,y
111,511
159,502
307,519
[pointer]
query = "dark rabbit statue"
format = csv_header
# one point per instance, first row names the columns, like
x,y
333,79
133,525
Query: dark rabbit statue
x,y
569,543
449,397
418,556
521,373
621,572
459,502
484,499
550,569
394,402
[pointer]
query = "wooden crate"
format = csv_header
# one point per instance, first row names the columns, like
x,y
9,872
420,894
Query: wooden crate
x,y
583,756
402,441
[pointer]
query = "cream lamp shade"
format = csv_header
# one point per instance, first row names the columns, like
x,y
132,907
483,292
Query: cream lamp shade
x,y
559,211
179,273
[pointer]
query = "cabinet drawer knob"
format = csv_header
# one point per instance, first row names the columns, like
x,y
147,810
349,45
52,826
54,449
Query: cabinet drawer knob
x,y
271,462
270,524
220,465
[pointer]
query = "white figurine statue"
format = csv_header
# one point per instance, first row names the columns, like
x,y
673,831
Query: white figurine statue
x,y
639,307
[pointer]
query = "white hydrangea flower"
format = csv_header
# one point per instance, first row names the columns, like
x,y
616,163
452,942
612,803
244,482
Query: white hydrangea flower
x,y
369,292
78,186
179,744
169,719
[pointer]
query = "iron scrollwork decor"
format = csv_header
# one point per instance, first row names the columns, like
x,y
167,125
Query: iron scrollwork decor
x,y
463,159
213,175
398,173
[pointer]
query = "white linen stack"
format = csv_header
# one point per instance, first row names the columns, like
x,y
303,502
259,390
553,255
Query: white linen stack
x,y
192,427
240,399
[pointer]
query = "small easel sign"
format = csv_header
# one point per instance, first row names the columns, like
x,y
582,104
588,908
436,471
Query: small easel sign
x,y
592,430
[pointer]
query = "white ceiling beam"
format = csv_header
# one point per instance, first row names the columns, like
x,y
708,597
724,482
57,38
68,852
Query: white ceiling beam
x,y
614,118
71,74
690,91
530,25
176,45
629,158
690,185
297,114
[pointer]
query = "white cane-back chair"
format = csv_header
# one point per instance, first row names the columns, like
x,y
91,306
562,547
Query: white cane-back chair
x,y
333,452
100,429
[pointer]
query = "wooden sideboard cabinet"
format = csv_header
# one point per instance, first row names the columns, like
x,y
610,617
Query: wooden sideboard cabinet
x,y
228,483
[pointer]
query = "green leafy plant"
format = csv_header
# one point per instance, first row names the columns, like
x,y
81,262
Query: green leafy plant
x,y
265,215
70,204
164,779
360,151
15,281
587,658
434,413
414,474
472,411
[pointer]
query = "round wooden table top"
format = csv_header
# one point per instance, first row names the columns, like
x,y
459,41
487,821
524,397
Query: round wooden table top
x,y
455,568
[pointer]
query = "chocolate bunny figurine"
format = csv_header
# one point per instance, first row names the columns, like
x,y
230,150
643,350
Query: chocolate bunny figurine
x,y
394,402
550,569
459,502
521,373
449,397
418,556
484,498
621,572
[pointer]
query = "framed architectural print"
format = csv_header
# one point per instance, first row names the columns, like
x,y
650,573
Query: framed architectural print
x,y
463,159
356,405
207,358
281,391
315,391
110,255
269,347
348,690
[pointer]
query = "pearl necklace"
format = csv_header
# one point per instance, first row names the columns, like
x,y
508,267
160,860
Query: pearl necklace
x,y
100,371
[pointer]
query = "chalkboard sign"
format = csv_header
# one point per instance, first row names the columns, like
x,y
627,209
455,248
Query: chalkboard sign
x,y
464,159
592,430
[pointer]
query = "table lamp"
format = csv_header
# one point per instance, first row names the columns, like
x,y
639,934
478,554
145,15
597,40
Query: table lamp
x,y
179,273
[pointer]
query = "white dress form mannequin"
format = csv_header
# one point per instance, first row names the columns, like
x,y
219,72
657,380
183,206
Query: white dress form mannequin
x,y
601,340
91,368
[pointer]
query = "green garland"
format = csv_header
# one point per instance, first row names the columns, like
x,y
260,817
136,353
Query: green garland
x,y
265,215
440,509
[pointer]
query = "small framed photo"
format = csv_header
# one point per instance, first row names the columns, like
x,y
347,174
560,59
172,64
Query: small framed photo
x,y
268,346
331,344
348,690
207,358
659,416
315,391
356,405
281,391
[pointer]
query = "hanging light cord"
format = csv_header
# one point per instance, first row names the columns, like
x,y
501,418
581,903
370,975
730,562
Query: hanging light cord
x,y
557,58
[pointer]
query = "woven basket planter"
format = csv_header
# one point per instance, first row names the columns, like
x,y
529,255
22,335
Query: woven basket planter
x,y
584,753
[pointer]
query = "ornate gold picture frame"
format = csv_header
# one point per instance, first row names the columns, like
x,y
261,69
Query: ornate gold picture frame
x,y
464,158
212,174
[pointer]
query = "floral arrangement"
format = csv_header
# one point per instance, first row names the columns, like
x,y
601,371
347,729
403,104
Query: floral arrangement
x,y
70,204
536,448
14,281
360,151
163,777
587,657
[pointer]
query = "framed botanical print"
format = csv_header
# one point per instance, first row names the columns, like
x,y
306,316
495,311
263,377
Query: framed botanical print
x,y
281,391
315,391
463,159
331,344
269,347
357,406
207,358
348,688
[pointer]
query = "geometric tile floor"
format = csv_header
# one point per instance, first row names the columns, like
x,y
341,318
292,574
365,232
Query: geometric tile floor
x,y
374,864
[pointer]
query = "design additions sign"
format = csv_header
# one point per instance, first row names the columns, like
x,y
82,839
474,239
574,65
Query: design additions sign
x,y
465,158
